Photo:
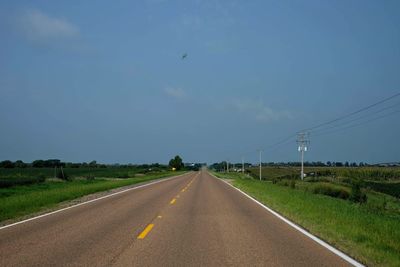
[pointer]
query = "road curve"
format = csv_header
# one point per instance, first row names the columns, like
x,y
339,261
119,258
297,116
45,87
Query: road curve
x,y
191,220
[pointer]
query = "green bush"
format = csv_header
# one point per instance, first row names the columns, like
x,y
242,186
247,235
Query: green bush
x,y
293,183
390,188
330,190
284,182
356,195
9,182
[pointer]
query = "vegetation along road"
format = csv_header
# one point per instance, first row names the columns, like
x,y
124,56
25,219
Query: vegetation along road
x,y
192,219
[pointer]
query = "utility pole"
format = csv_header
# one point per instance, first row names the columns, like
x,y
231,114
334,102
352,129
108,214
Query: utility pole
x,y
302,141
259,151
62,172
242,165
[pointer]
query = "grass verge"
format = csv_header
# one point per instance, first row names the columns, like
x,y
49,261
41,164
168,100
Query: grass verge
x,y
369,236
19,201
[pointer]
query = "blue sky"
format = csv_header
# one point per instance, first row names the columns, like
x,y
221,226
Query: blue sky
x,y
85,80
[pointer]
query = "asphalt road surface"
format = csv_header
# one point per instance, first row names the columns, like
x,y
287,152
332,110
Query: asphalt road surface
x,y
191,220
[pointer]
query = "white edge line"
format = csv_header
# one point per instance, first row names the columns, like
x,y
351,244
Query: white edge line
x,y
298,228
90,201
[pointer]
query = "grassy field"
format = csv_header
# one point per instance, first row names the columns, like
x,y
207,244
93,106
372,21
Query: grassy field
x,y
364,173
17,201
16,176
381,179
369,232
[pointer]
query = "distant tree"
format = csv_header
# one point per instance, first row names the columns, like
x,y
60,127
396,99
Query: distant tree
x,y
338,164
144,166
7,164
346,164
52,163
176,163
93,163
20,164
328,163
38,163
218,166
353,164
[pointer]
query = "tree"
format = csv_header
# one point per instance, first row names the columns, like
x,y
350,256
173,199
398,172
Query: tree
x,y
38,163
176,163
7,164
328,163
93,163
338,164
20,164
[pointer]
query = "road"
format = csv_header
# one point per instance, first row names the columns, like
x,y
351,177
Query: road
x,y
191,220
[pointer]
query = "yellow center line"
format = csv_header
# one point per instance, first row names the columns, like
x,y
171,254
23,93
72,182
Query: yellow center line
x,y
187,186
172,201
145,231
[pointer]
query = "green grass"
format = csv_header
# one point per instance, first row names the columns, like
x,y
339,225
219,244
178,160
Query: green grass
x,y
73,172
18,201
380,179
366,232
364,173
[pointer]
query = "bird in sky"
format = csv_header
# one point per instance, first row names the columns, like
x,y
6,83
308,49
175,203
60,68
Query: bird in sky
x,y
184,56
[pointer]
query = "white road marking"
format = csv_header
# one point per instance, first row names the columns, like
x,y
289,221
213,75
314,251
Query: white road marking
x,y
298,228
90,201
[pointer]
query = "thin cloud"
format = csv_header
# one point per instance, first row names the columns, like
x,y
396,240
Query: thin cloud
x,y
40,27
177,93
259,111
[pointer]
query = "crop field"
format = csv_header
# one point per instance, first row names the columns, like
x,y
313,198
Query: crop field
x,y
380,179
365,173
23,176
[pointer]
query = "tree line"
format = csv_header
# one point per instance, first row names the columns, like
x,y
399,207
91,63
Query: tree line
x,y
51,163
222,165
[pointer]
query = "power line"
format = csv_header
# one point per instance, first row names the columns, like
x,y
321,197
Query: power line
x,y
358,118
290,137
285,141
359,124
351,114
320,132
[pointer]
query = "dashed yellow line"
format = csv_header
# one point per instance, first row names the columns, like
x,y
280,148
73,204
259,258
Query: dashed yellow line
x,y
145,231
150,226
187,186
